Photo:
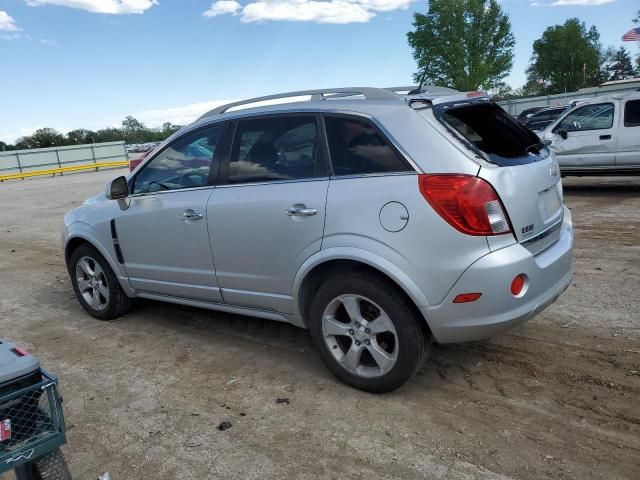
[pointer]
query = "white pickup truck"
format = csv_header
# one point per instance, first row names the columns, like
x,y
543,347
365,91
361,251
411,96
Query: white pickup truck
x,y
599,136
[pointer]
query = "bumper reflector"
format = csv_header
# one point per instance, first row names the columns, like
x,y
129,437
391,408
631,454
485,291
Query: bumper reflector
x,y
517,285
467,297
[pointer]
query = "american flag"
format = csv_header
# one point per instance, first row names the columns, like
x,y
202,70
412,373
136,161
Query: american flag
x,y
632,35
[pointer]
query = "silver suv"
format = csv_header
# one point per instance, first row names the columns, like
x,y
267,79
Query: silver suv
x,y
380,221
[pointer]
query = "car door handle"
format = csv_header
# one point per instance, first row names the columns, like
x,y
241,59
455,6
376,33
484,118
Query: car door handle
x,y
605,137
191,215
301,211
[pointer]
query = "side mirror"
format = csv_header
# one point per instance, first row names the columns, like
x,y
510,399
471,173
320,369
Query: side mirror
x,y
117,188
563,133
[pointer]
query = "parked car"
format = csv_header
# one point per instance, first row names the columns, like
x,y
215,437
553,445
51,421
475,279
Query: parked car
x,y
544,117
526,113
598,136
134,162
380,222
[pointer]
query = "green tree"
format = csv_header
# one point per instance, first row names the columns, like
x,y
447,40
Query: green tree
x,y
621,67
606,60
134,130
130,124
42,138
80,136
169,128
463,44
501,92
566,58
109,135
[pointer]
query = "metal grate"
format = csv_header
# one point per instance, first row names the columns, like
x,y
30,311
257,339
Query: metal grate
x,y
31,422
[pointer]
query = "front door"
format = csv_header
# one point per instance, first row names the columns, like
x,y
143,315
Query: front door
x,y
590,137
163,234
628,154
267,215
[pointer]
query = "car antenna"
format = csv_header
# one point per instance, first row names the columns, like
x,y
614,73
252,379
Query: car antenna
x,y
417,91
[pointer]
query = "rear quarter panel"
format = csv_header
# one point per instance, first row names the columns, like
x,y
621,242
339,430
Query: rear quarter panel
x,y
428,250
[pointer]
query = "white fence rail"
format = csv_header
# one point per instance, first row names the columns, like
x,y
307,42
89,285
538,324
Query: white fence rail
x,y
514,107
23,161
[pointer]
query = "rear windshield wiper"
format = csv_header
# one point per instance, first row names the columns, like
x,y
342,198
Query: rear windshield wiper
x,y
538,146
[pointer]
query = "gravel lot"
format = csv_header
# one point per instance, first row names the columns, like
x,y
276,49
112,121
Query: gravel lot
x,y
557,398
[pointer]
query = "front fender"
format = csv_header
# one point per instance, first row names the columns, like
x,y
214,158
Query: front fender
x,y
87,233
363,256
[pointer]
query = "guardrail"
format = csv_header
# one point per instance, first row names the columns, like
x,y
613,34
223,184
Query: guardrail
x,y
25,161
61,170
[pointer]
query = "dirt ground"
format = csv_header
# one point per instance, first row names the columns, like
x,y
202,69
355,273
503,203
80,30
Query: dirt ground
x,y
556,398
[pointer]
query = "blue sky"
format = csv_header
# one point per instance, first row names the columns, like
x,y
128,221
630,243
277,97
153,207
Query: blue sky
x,y
88,63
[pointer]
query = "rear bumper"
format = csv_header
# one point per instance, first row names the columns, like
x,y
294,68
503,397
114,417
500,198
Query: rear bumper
x,y
549,274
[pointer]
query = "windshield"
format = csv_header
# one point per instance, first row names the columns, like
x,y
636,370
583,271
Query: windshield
x,y
488,128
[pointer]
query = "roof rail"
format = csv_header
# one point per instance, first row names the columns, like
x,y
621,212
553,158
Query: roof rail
x,y
322,94
402,89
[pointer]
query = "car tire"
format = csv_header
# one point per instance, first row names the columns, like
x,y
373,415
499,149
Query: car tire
x,y
383,323
51,466
96,286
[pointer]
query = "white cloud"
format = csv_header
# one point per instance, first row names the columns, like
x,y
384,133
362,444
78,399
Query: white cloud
x,y
22,132
585,3
153,118
51,43
7,23
177,115
384,5
113,7
570,3
318,11
335,11
221,7
15,36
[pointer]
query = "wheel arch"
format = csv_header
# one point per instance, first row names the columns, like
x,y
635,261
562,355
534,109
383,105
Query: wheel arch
x,y
79,238
327,263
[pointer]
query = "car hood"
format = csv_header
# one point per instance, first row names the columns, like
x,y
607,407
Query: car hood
x,y
99,198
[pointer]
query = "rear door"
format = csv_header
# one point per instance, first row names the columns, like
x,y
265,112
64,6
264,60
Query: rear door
x,y
590,137
521,170
628,154
267,215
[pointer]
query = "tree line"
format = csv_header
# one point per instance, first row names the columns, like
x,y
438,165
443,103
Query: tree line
x,y
131,131
468,45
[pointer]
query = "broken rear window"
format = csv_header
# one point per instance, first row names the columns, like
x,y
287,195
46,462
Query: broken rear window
x,y
489,129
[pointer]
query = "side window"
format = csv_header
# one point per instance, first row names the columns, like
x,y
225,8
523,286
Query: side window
x,y
276,148
632,113
183,164
358,147
589,117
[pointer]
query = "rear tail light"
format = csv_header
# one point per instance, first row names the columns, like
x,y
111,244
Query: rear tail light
x,y
20,352
467,203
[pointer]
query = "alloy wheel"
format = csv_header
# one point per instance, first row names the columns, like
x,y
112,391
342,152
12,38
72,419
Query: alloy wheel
x,y
360,335
92,283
